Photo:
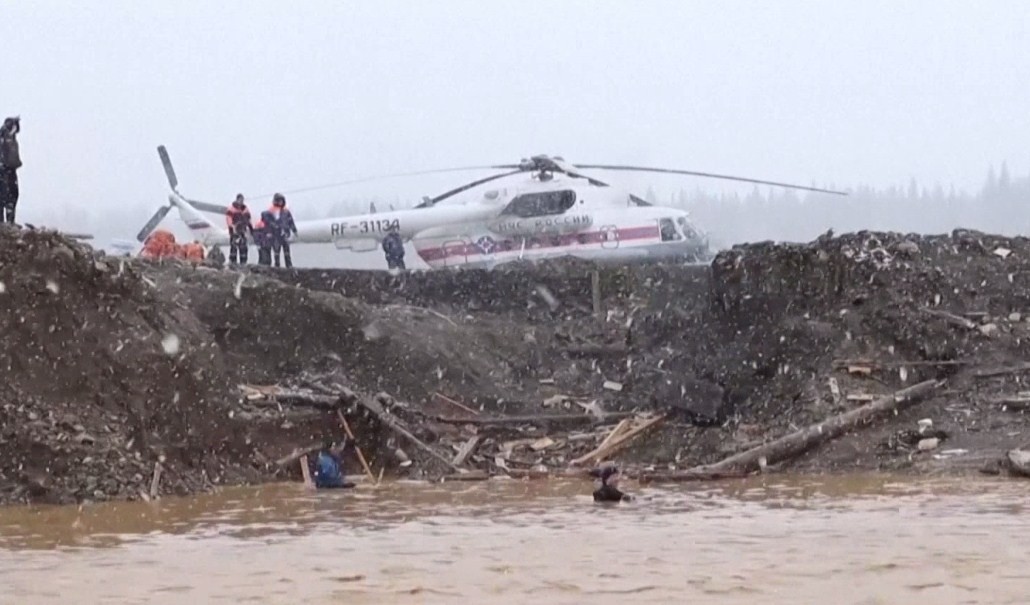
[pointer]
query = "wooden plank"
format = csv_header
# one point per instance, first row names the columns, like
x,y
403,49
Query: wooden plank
x,y
306,473
466,450
350,435
155,482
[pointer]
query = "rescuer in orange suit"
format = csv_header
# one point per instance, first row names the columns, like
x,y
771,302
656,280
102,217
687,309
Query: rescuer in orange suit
x,y
194,252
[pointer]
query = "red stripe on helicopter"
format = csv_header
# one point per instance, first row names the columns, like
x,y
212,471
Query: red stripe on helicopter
x,y
542,243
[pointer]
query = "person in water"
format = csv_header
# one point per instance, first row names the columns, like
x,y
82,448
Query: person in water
x,y
608,473
328,471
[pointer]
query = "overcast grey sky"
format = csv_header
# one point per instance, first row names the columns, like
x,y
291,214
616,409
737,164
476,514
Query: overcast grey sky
x,y
257,96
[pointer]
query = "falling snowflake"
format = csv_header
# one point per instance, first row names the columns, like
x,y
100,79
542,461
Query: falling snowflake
x,y
170,344
52,286
3,288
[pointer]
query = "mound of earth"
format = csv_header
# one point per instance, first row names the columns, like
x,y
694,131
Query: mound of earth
x,y
101,378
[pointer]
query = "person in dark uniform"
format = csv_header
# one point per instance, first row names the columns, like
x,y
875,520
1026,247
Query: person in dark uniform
x,y
608,473
285,229
393,248
237,219
10,162
263,238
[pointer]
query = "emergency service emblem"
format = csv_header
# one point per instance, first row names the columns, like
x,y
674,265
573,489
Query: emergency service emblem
x,y
486,244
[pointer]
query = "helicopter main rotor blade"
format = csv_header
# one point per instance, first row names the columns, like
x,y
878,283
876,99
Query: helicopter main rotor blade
x,y
208,207
433,201
708,175
153,223
375,178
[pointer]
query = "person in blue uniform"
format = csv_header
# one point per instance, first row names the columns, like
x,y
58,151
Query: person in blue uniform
x,y
285,229
328,472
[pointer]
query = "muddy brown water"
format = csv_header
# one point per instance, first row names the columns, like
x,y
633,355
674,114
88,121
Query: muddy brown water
x,y
833,540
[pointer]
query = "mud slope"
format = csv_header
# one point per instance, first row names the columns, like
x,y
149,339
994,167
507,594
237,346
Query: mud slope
x,y
100,377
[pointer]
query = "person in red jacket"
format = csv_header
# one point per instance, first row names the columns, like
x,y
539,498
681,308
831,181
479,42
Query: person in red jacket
x,y
237,219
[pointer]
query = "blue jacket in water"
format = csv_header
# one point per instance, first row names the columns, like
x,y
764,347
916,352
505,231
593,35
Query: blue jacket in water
x,y
328,472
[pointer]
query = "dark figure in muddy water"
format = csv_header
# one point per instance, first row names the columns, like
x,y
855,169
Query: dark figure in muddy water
x,y
237,219
393,248
10,162
608,473
328,468
285,228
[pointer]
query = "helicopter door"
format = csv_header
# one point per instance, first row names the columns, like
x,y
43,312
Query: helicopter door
x,y
609,237
452,260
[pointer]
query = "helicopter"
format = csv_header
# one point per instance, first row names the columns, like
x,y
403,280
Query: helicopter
x,y
558,211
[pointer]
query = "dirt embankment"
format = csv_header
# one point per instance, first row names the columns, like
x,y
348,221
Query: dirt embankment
x,y
112,366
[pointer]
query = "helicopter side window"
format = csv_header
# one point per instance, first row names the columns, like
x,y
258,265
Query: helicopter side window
x,y
668,229
540,204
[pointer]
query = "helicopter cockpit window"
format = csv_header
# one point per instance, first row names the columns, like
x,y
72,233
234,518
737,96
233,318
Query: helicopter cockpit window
x,y
685,228
669,231
540,204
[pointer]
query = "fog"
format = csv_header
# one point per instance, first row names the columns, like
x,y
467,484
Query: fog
x,y
909,105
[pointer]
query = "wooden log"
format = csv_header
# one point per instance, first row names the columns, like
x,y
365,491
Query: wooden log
x,y
357,448
395,425
537,419
843,363
1017,403
295,455
1002,371
456,404
622,427
305,472
951,318
597,350
155,482
293,397
477,475
535,473
687,475
798,442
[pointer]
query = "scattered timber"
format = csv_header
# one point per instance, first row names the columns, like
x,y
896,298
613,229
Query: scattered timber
x,y
620,437
396,426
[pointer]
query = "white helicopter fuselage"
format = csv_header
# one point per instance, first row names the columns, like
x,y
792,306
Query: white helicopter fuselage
x,y
534,220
